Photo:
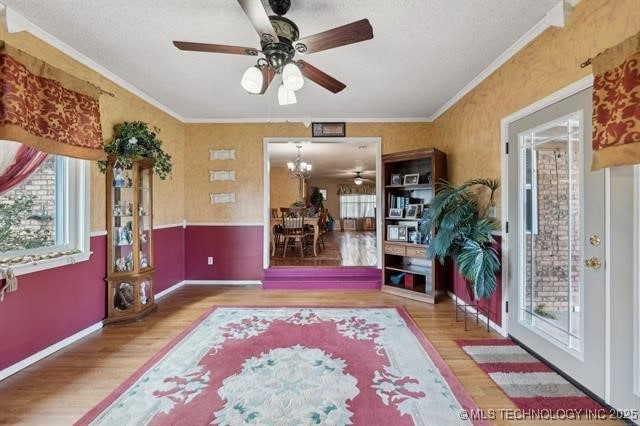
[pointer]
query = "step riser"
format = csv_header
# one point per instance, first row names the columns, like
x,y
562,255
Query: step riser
x,y
305,278
320,285
322,272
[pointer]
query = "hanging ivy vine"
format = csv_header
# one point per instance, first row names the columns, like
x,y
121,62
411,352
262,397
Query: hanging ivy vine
x,y
134,140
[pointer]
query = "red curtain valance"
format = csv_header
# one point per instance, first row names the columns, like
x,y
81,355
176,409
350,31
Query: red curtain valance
x,y
616,105
46,108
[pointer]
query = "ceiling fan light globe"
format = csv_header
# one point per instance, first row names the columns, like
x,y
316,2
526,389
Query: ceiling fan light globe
x,y
358,181
286,96
292,77
252,80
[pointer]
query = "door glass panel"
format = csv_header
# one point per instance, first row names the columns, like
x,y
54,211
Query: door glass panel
x,y
550,234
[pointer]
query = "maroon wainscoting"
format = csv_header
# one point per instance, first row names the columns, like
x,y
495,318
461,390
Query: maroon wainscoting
x,y
54,304
236,250
493,304
169,255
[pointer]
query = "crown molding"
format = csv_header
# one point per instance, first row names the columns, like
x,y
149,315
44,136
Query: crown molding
x,y
307,121
555,17
15,22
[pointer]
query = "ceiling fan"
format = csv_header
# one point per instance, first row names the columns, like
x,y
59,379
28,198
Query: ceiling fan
x,y
279,42
359,180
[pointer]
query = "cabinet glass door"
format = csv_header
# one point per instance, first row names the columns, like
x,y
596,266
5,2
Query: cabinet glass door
x,y
122,219
144,217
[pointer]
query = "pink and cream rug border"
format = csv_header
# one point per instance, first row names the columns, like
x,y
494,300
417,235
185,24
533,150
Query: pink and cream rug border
x,y
464,400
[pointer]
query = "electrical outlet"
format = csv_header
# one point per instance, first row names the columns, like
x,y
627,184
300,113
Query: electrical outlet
x,y
209,260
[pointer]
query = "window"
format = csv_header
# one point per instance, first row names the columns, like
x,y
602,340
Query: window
x,y
531,192
357,206
46,214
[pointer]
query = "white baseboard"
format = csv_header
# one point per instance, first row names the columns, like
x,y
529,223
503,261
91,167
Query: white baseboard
x,y
12,369
482,318
170,289
20,365
223,282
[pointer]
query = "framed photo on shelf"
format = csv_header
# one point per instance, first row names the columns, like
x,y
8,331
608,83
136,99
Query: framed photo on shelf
x,y
393,212
402,233
411,179
393,232
396,179
414,211
415,237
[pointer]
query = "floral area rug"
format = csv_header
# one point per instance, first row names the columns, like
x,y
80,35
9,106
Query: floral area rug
x,y
292,366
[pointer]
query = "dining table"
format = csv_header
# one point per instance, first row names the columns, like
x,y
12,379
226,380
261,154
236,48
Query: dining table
x,y
312,221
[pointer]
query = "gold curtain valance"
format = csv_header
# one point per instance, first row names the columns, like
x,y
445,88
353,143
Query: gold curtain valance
x,y
365,189
46,108
616,105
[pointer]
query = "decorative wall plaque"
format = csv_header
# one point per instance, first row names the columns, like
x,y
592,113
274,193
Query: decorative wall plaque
x,y
222,154
222,175
223,198
328,130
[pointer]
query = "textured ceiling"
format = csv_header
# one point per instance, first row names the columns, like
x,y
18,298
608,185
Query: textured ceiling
x,y
329,159
422,54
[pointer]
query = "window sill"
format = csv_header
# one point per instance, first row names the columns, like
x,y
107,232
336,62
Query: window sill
x,y
41,265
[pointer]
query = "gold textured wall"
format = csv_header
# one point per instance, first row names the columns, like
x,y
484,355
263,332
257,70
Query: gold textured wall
x,y
284,191
247,140
470,130
168,198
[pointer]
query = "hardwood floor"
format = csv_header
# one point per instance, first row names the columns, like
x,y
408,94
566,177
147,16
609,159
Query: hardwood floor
x,y
349,248
61,388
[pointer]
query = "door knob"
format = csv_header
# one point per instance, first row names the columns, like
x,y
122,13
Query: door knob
x,y
594,240
593,263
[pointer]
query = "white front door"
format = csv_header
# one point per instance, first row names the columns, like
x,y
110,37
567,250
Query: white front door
x,y
557,240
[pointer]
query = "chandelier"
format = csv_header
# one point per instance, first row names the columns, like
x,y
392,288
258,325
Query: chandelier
x,y
299,168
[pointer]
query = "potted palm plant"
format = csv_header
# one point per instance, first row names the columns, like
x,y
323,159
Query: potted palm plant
x,y
459,228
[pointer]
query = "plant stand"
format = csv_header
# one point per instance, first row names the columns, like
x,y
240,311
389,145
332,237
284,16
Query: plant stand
x,y
479,310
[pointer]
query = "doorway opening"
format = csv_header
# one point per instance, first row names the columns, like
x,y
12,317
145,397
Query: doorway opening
x,y
321,202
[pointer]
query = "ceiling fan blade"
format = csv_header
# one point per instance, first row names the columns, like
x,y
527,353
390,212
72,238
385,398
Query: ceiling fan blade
x,y
320,77
259,19
267,77
339,36
215,48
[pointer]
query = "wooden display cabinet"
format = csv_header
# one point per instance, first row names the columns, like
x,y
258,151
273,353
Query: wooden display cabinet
x,y
410,180
130,267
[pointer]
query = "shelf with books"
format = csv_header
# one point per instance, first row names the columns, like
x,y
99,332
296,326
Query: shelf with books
x,y
409,187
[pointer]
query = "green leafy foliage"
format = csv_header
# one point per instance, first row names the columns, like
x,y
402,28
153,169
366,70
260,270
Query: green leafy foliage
x,y
316,197
12,212
458,229
133,141
541,310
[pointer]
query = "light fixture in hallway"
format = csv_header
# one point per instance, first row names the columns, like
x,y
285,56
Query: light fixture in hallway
x,y
358,180
299,168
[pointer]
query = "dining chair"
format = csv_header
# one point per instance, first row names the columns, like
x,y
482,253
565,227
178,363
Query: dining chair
x,y
322,227
293,229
